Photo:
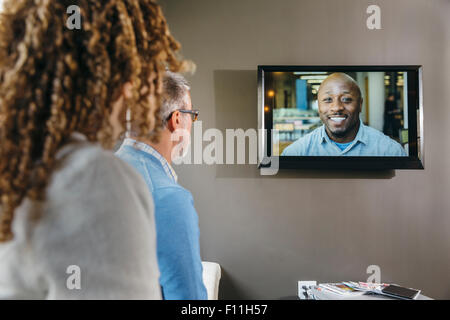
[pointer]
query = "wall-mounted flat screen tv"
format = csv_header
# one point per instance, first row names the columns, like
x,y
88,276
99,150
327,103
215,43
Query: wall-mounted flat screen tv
x,y
341,117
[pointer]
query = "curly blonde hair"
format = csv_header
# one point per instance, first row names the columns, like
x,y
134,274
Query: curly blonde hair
x,y
55,81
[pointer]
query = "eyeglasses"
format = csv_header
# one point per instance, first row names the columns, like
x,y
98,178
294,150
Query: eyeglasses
x,y
193,113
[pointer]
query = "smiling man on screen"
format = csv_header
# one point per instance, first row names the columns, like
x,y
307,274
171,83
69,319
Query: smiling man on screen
x,y
342,132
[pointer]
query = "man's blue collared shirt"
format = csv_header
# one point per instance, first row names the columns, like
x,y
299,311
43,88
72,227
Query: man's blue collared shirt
x,y
177,231
368,142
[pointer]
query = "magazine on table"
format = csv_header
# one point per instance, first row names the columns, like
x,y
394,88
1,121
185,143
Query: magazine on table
x,y
351,289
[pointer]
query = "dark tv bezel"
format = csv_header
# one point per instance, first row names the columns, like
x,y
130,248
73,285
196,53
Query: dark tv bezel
x,y
415,102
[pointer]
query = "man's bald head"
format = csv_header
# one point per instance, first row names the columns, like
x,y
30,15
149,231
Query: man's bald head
x,y
340,78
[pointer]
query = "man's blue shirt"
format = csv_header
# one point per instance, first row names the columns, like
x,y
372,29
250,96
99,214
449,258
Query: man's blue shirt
x,y
177,231
368,142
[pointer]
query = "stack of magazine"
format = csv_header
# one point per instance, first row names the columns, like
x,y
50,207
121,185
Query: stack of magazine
x,y
346,290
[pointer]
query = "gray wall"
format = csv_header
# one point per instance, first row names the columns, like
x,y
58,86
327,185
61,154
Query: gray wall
x,y
269,232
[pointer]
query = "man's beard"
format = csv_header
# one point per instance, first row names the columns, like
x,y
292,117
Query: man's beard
x,y
182,148
340,134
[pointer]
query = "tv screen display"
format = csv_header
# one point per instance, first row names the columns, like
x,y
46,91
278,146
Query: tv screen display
x,y
362,117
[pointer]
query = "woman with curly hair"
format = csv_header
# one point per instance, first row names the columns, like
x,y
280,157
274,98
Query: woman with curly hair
x,y
75,221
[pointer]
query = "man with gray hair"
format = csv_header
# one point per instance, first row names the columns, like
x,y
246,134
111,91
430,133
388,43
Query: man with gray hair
x,y
177,229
